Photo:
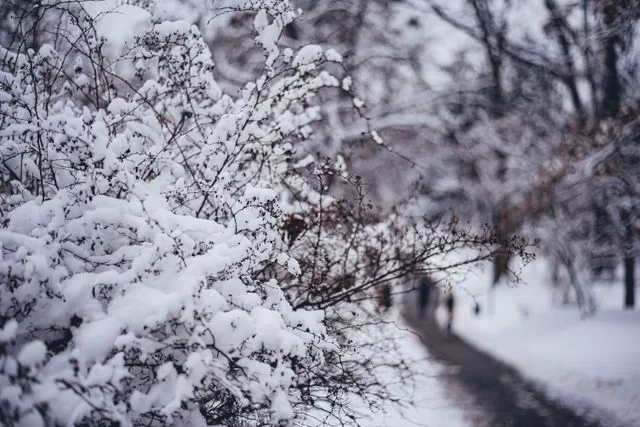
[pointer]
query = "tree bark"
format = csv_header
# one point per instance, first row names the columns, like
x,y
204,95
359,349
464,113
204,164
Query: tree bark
x,y
611,85
629,283
611,102
629,263
561,28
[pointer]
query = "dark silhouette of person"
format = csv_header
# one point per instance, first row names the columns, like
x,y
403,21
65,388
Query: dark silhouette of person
x,y
476,309
450,303
424,291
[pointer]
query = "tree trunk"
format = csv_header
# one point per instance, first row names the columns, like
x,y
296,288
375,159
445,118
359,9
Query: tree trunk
x,y
561,27
612,98
611,85
584,298
629,283
629,263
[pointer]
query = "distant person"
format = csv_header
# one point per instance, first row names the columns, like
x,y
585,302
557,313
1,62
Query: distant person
x,y
476,309
450,304
424,292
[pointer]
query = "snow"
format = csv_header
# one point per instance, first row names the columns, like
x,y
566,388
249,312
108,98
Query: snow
x,y
32,353
376,137
119,24
281,408
346,83
333,56
592,360
432,405
8,332
309,54
96,339
304,162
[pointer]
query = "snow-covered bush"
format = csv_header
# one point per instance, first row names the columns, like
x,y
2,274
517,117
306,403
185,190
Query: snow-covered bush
x,y
163,262
139,202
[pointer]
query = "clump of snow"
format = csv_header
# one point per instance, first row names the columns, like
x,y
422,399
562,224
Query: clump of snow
x,y
9,331
271,18
309,54
376,137
304,162
346,83
96,339
119,25
32,353
333,56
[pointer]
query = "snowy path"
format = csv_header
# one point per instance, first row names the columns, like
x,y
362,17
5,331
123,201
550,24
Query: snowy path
x,y
495,394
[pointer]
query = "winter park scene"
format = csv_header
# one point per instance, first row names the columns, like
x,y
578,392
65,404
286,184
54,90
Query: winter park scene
x,y
375,213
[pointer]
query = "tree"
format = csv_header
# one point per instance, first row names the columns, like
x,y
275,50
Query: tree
x,y
562,95
617,21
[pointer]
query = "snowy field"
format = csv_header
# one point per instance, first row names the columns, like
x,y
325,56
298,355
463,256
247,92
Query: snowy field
x,y
593,360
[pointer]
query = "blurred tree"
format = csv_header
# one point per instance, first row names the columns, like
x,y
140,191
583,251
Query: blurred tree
x,y
618,20
539,143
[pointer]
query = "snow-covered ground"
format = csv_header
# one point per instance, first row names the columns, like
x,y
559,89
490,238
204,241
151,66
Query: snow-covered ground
x,y
425,401
433,405
594,360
